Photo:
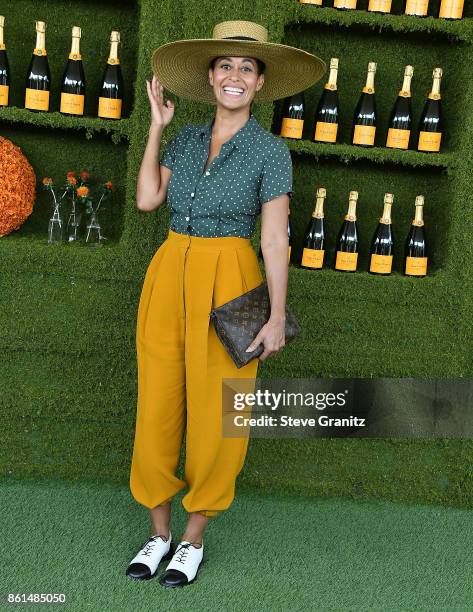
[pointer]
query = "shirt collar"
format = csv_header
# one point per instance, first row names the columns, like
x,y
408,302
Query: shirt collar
x,y
239,139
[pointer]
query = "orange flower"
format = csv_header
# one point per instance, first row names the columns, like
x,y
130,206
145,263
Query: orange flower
x,y
82,192
109,185
47,181
17,187
72,180
84,175
70,173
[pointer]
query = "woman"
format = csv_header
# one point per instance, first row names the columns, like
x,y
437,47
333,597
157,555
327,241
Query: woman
x,y
216,177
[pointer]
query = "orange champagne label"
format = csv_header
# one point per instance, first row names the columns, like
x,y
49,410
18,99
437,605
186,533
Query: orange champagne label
x,y
317,2
75,56
72,103
292,128
348,4
113,61
39,51
326,132
4,90
346,261
451,9
416,266
2,47
37,99
399,139
312,258
380,5
288,253
110,108
429,141
364,134
417,7
381,264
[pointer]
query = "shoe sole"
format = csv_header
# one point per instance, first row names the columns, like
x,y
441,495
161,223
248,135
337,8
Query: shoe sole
x,y
176,586
167,556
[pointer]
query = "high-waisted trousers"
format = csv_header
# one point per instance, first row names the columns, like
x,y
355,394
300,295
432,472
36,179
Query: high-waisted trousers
x,y
181,363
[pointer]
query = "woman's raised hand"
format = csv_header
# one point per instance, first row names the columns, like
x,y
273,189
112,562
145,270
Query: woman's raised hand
x,y
161,112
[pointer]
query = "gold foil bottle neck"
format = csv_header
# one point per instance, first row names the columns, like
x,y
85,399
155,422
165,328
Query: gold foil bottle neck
x,y
319,206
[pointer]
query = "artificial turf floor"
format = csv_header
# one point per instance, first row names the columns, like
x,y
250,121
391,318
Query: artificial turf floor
x,y
265,553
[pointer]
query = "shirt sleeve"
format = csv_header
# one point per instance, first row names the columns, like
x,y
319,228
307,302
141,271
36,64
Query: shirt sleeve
x,y
277,173
168,156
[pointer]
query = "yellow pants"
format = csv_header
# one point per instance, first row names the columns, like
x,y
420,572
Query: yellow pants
x,y
181,364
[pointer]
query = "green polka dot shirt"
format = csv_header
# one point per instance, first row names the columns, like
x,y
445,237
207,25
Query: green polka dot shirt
x,y
252,168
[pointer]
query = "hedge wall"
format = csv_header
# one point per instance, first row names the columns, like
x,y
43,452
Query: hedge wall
x,y
68,314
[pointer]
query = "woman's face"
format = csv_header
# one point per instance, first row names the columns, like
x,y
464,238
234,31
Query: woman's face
x,y
235,81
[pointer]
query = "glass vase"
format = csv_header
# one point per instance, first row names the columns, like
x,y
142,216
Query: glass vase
x,y
73,222
93,231
56,226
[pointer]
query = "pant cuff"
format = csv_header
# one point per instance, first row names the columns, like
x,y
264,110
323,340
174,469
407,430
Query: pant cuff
x,y
209,513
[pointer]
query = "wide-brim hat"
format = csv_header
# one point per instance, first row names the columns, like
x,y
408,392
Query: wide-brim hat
x,y
182,66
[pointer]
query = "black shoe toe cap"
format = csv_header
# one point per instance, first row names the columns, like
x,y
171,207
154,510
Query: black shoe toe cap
x,y
139,571
173,578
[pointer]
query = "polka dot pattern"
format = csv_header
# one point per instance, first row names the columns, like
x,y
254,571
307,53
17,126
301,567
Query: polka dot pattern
x,y
252,168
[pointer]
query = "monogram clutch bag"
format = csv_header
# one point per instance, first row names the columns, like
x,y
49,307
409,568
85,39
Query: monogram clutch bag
x,y
238,321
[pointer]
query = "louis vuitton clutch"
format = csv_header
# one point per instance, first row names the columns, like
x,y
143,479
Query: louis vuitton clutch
x,y
238,321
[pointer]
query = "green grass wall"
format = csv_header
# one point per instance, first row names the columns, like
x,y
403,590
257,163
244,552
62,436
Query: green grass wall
x,y
68,314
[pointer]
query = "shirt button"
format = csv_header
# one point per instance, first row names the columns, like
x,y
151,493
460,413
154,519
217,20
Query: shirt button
x,y
187,218
207,173
192,194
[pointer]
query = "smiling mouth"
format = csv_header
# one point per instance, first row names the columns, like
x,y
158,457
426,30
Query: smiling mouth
x,y
235,92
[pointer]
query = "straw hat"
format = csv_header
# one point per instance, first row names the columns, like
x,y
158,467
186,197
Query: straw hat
x,y
182,66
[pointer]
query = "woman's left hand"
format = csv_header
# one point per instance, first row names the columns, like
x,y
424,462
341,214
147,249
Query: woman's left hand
x,y
272,335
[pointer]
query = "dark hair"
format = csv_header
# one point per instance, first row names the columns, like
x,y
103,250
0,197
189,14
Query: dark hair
x,y
260,64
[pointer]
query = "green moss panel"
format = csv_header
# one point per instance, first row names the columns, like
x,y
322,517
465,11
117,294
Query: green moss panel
x,y
68,313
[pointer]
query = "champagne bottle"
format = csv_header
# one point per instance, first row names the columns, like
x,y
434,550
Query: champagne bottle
x,y
293,116
451,9
364,123
4,68
111,94
344,5
347,240
289,235
326,117
430,126
314,2
417,8
381,252
416,247
73,80
380,6
399,131
38,78
314,238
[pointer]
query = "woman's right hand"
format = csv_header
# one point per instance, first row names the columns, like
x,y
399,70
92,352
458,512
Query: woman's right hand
x,y
161,112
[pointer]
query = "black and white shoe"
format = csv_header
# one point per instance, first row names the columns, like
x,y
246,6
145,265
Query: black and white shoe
x,y
145,563
184,565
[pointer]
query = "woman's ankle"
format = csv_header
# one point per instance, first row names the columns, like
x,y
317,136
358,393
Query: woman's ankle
x,y
164,532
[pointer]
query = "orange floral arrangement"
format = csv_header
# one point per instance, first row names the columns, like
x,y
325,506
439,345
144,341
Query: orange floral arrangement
x,y
17,187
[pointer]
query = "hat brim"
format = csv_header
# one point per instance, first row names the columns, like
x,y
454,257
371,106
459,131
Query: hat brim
x,y
182,67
